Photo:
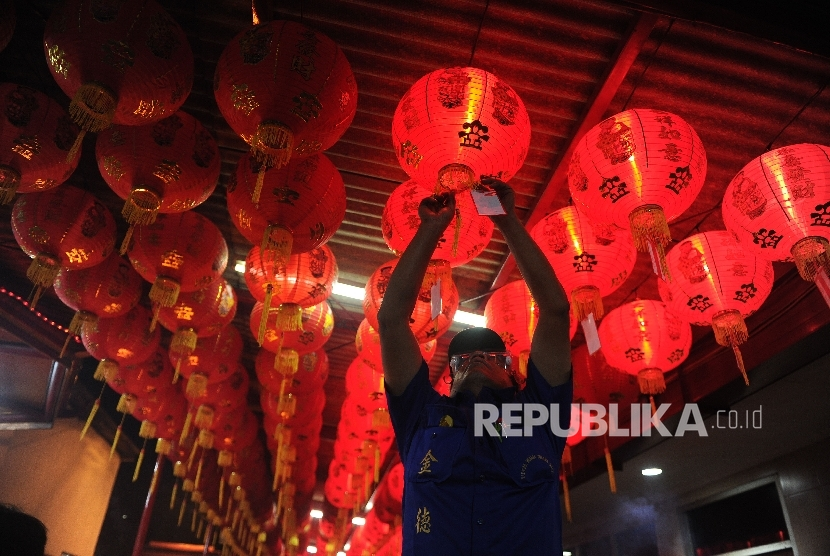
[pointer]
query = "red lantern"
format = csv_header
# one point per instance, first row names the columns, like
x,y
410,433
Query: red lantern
x,y
119,63
107,290
36,135
461,242
512,313
121,340
318,324
64,228
287,90
219,397
777,206
292,408
639,169
717,281
303,205
366,413
311,374
181,252
168,167
305,281
211,361
644,339
140,379
590,261
456,124
367,342
199,314
424,325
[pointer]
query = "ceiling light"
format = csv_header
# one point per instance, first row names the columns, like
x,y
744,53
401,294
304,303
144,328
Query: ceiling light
x,y
239,267
369,505
318,514
347,546
652,471
311,549
357,293
357,520
341,553
566,553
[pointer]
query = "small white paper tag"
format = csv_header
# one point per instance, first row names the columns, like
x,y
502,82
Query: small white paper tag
x,y
589,328
487,202
435,299
823,285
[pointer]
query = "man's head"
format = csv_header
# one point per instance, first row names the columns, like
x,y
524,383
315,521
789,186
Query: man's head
x,y
478,357
20,533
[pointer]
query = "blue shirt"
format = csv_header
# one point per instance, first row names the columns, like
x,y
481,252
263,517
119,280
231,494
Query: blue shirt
x,y
468,495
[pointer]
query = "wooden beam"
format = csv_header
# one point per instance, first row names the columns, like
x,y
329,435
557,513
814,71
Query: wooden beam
x,y
593,114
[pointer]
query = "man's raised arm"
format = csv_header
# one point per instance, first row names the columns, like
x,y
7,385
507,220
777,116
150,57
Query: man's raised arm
x,y
550,346
399,348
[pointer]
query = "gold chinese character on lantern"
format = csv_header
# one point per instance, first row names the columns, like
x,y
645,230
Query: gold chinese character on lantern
x,y
77,255
167,171
27,146
149,109
113,308
57,59
172,259
243,99
183,312
112,166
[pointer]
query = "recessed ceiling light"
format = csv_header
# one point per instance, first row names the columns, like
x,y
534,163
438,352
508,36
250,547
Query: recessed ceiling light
x,y
369,505
652,471
566,553
357,520
239,267
311,549
316,514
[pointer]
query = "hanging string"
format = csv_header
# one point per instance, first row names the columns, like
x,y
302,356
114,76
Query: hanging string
x,y
648,64
478,32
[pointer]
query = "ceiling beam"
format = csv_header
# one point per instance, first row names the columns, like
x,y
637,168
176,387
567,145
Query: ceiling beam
x,y
592,115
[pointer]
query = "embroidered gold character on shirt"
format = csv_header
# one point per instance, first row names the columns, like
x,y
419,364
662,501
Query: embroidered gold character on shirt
x,y
423,521
426,462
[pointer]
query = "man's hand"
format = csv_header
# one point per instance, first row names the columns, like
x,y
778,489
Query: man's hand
x,y
505,194
437,210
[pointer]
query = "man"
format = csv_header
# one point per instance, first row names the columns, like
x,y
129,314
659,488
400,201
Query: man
x,y
467,494
21,534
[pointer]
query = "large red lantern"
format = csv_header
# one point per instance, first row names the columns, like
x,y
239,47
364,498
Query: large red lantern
x,y
717,281
460,243
64,228
367,343
287,90
303,205
170,166
121,340
590,260
430,318
181,252
312,372
457,124
318,324
146,377
513,314
779,207
217,398
304,281
199,314
107,290
35,135
211,361
120,63
644,339
639,169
